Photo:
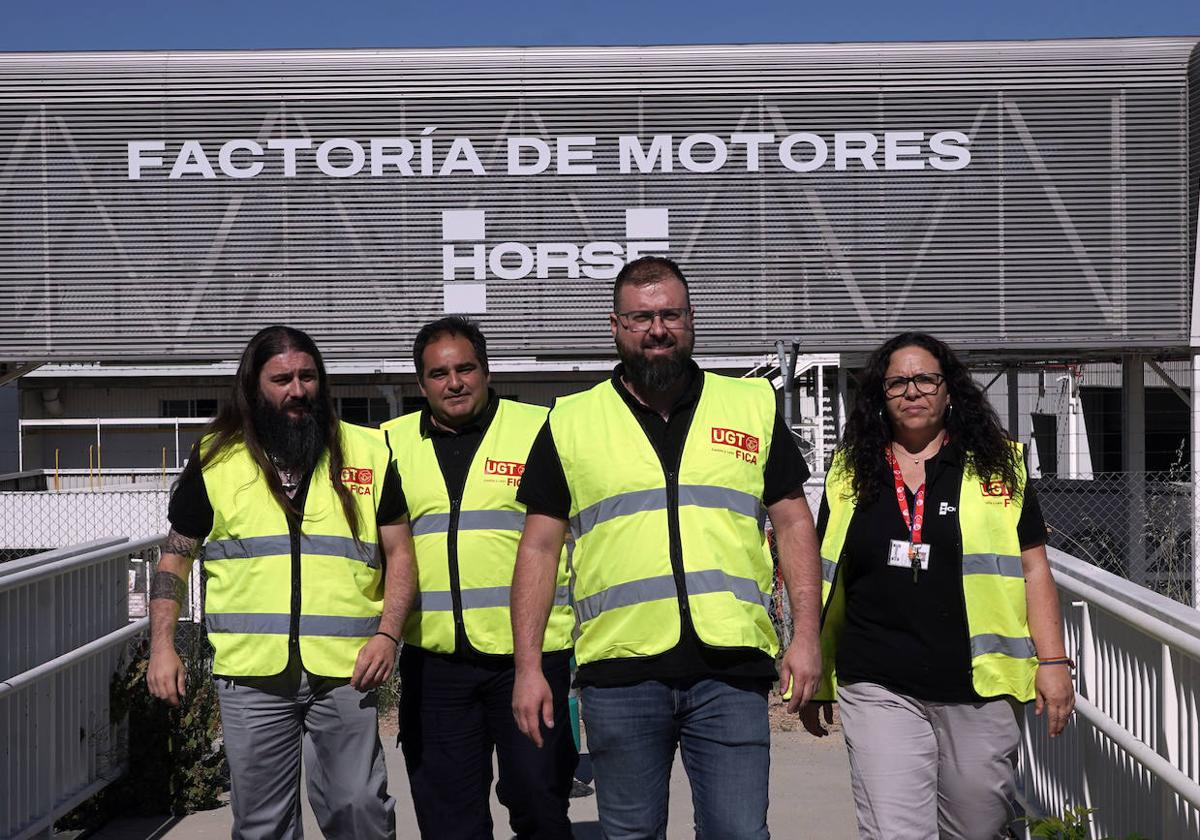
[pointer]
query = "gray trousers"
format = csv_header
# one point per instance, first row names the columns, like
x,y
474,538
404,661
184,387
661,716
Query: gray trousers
x,y
266,720
924,771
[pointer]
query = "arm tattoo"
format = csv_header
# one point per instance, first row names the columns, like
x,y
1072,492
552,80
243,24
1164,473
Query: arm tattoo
x,y
168,585
177,543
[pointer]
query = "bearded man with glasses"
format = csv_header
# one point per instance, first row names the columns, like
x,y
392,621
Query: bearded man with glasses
x,y
663,473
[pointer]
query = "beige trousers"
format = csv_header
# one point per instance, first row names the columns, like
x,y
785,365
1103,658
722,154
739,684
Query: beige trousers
x,y
930,771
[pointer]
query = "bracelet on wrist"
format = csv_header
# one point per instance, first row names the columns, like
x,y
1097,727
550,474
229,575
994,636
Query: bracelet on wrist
x,y
395,641
1062,660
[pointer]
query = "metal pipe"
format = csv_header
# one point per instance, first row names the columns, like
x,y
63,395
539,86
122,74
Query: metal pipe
x,y
1132,614
27,678
46,570
786,383
1174,778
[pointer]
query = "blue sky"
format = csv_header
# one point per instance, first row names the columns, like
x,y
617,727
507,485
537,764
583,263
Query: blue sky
x,y
247,24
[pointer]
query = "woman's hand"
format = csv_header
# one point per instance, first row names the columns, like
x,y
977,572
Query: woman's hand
x,y
1055,696
810,717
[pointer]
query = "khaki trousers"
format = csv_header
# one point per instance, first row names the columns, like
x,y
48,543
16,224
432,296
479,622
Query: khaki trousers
x,y
930,771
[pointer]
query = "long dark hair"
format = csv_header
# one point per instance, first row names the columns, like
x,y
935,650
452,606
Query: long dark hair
x,y
234,424
972,423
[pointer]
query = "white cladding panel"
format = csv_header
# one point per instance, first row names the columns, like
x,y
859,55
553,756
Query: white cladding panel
x,y
1052,211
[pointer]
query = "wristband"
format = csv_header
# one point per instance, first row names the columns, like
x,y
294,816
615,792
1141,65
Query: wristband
x,y
395,641
1070,663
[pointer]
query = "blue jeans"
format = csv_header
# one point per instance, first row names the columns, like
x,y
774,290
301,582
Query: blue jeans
x,y
723,733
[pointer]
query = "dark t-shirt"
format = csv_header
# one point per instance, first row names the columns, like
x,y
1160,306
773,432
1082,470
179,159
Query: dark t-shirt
x,y
911,636
191,515
544,490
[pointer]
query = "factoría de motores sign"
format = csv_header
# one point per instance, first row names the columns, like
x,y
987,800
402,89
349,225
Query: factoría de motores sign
x,y
431,155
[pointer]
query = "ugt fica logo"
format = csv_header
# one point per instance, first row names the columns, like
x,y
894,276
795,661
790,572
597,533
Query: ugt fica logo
x,y
506,472
996,490
743,446
357,480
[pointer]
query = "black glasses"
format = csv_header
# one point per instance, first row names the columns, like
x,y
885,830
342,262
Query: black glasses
x,y
640,320
926,384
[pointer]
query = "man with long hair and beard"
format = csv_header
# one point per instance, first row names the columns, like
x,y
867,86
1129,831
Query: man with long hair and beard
x,y
309,575
662,473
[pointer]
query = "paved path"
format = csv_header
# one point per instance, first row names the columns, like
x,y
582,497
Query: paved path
x,y
810,798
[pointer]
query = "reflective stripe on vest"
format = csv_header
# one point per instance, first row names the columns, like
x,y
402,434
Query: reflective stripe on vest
x,y
480,599
641,501
658,588
483,547
1003,658
249,547
470,520
249,565
626,587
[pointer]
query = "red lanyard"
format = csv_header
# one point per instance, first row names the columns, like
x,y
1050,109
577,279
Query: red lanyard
x,y
913,521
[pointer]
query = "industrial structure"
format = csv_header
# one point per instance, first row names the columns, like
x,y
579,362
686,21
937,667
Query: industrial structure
x,y
1033,203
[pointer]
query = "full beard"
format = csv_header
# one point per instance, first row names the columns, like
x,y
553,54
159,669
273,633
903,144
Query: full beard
x,y
658,373
292,443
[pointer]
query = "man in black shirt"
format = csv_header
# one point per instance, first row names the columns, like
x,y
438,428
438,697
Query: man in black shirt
x,y
309,574
461,460
662,472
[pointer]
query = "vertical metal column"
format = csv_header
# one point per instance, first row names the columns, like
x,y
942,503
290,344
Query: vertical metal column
x,y
1195,468
1133,450
1013,383
843,387
787,372
1195,465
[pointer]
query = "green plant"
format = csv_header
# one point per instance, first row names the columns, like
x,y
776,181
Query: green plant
x,y
176,762
1074,824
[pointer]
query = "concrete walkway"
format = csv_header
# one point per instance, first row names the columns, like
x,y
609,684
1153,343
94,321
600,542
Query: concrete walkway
x,y
810,798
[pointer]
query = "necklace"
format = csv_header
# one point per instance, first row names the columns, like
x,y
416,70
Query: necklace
x,y
287,477
940,440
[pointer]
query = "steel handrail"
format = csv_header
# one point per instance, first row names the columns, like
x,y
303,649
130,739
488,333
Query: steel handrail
x,y
56,554
59,663
1172,635
1171,776
99,556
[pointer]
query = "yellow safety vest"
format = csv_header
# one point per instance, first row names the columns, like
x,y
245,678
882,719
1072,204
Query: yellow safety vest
x,y
466,550
650,544
1003,659
250,609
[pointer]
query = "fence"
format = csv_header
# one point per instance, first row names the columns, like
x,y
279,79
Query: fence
x,y
50,520
64,621
1132,751
1137,526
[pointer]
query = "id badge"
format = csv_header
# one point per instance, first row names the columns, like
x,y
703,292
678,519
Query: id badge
x,y
902,553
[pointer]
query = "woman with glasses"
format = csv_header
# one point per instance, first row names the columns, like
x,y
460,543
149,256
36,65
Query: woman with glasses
x,y
940,614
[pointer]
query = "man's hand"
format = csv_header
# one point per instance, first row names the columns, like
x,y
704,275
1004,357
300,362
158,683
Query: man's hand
x,y
533,704
800,671
166,677
810,718
374,665
1055,696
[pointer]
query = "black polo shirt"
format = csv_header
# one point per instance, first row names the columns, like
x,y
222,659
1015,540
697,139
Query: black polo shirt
x,y
455,450
911,636
544,490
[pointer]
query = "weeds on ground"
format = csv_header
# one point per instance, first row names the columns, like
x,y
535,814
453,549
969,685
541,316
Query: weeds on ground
x,y
1074,824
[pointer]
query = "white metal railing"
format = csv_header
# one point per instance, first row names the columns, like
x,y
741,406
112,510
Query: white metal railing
x,y
1132,751
64,619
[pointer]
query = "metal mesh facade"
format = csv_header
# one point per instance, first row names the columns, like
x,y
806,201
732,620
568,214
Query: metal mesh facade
x,y
1029,195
